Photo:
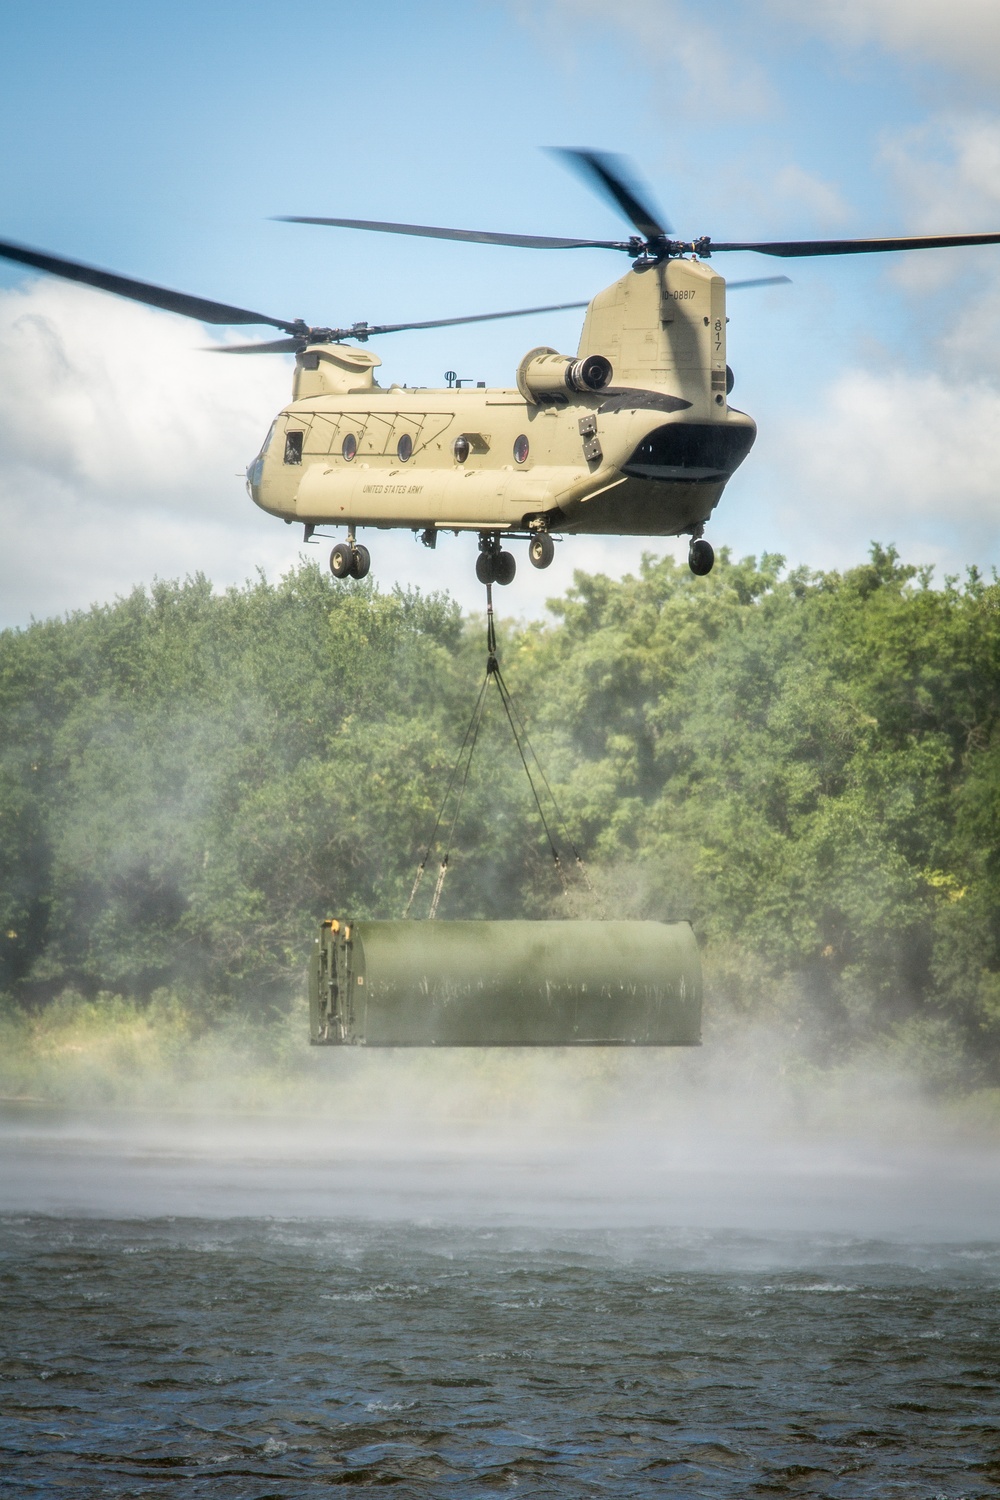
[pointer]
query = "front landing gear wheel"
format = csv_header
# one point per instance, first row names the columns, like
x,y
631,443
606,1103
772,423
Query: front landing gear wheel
x,y
361,561
541,550
342,560
701,557
504,567
486,567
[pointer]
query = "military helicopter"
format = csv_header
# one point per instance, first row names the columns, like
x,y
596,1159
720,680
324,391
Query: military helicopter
x,y
632,435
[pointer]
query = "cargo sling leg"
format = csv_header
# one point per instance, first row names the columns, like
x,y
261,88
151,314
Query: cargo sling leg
x,y
460,776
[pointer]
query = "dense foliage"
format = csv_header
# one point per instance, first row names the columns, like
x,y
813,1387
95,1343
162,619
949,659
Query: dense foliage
x,y
806,764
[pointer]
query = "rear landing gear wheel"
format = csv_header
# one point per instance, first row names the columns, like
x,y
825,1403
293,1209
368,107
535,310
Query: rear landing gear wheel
x,y
361,561
701,557
504,567
541,550
342,560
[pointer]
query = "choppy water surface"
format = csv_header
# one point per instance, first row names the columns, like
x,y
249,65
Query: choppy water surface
x,y
257,1357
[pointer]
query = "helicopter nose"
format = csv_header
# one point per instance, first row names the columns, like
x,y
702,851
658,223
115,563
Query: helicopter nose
x,y
254,472
691,451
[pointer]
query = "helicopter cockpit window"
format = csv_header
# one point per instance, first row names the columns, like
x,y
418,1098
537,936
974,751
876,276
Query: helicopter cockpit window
x,y
349,446
293,447
404,448
520,449
461,449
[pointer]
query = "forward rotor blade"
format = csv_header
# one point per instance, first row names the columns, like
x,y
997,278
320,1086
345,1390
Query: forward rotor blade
x,y
365,331
613,177
471,236
517,312
136,291
737,286
274,346
792,248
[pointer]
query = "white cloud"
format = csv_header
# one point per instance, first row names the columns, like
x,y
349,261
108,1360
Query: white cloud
x,y
963,34
817,199
122,447
947,173
694,66
894,457
779,197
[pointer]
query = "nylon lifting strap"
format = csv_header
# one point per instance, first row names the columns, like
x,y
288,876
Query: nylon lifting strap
x,y
460,776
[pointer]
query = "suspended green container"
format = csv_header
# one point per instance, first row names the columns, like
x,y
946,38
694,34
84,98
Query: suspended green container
x,y
505,984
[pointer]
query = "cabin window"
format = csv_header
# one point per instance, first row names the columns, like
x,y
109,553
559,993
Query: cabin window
x,y
293,447
520,449
349,446
404,448
461,449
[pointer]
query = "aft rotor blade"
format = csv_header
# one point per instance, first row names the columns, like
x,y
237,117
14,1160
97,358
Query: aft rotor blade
x,y
136,291
614,178
737,286
517,312
792,248
471,236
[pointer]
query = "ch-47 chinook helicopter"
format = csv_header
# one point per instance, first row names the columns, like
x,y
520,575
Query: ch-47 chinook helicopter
x,y
631,436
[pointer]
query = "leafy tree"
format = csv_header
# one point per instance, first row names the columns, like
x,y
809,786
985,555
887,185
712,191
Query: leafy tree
x,y
806,763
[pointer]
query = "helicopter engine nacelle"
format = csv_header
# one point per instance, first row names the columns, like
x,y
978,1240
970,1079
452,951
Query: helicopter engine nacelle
x,y
543,374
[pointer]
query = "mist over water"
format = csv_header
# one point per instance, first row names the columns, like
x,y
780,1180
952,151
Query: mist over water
x,y
717,1137
689,1271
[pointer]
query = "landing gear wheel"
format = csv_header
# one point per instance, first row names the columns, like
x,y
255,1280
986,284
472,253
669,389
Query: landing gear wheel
x,y
361,561
486,567
342,560
504,567
541,550
701,557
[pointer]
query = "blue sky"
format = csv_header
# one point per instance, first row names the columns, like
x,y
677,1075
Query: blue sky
x,y
158,139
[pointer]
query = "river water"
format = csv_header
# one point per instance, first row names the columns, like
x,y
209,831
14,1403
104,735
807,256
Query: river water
x,y
260,1309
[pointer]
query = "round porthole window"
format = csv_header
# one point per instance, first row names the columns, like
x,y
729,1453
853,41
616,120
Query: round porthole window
x,y
520,449
462,448
404,448
349,446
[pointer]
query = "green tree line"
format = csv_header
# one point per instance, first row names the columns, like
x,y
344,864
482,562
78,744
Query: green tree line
x,y
805,764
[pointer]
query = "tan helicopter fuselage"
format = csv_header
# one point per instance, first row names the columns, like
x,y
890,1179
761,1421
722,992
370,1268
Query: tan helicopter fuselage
x,y
649,454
